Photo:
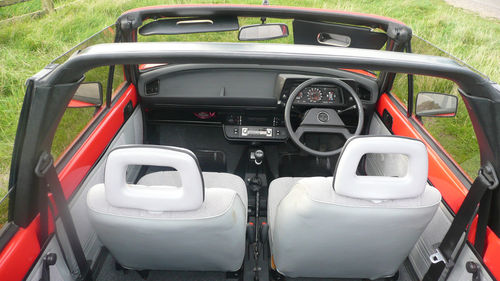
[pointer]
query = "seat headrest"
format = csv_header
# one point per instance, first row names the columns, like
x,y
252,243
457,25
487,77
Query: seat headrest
x,y
348,183
161,197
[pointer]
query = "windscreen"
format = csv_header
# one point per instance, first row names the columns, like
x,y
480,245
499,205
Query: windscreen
x,y
105,35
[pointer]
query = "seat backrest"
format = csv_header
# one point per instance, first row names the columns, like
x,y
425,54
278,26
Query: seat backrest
x,y
164,226
161,197
353,226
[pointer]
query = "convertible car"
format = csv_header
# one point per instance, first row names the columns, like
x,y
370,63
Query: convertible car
x,y
235,142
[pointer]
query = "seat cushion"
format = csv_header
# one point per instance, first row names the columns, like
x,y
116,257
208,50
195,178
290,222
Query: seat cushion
x,y
210,238
211,180
278,189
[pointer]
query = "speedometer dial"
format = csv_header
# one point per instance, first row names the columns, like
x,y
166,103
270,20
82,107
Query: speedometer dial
x,y
314,94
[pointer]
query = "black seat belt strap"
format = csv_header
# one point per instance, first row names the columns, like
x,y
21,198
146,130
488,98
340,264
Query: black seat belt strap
x,y
482,222
46,171
486,180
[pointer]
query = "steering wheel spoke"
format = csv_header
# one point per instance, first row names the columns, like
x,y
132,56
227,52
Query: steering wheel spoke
x,y
322,120
303,129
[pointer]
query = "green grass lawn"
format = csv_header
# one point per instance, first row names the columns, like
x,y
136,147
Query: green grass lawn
x,y
27,46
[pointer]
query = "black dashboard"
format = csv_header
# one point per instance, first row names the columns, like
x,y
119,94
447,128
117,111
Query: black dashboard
x,y
247,101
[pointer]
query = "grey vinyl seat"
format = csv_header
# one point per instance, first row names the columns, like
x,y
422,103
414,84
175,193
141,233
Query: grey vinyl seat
x,y
351,226
175,220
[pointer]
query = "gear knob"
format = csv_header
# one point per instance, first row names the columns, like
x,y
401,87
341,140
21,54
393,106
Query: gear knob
x,y
259,156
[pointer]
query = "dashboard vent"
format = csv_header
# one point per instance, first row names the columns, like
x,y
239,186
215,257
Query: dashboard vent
x,y
364,93
152,88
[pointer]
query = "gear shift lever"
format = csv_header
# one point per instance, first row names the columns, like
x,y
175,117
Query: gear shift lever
x,y
259,156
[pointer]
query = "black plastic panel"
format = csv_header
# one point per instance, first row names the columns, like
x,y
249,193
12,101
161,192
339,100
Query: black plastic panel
x,y
218,87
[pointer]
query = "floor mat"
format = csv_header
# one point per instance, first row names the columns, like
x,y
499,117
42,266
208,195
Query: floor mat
x,y
109,273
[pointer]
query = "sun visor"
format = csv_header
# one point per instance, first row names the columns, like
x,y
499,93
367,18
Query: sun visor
x,y
337,35
190,25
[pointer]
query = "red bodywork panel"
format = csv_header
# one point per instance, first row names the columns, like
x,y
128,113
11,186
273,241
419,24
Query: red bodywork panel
x,y
23,249
443,178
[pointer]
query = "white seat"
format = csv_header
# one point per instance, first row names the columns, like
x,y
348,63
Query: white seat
x,y
356,226
179,220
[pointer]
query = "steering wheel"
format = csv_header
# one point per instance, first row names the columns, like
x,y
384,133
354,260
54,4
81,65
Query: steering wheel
x,y
322,120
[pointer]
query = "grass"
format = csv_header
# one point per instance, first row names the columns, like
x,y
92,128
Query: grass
x,y
27,46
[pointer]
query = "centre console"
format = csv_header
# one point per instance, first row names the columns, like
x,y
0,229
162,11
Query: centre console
x,y
252,128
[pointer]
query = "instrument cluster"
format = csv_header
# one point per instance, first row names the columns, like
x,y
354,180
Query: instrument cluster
x,y
319,95
316,95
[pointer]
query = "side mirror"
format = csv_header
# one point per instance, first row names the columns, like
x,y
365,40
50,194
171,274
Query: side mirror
x,y
436,105
263,32
87,95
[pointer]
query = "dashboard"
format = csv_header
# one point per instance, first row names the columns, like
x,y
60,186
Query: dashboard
x,y
246,101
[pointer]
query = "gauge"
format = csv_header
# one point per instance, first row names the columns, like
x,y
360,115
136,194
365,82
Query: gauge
x,y
299,96
314,94
332,95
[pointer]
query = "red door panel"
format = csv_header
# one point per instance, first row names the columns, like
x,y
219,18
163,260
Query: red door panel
x,y
23,249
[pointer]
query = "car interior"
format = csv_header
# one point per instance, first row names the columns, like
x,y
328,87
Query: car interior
x,y
255,171
216,147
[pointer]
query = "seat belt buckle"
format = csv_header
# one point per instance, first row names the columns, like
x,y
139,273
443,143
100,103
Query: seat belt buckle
x,y
488,176
44,163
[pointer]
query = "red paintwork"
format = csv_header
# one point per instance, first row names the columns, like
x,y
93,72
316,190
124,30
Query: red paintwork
x,y
20,253
150,65
243,6
443,178
22,250
79,104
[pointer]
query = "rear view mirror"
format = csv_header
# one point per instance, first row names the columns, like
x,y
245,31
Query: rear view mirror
x,y
436,105
263,32
87,95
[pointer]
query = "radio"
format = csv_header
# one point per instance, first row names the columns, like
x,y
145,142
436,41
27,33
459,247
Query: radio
x,y
256,132
251,128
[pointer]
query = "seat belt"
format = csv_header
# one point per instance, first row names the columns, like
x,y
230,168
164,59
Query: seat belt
x,y
482,222
46,171
442,258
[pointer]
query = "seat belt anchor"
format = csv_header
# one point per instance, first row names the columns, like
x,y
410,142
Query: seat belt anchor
x,y
438,257
44,163
488,176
